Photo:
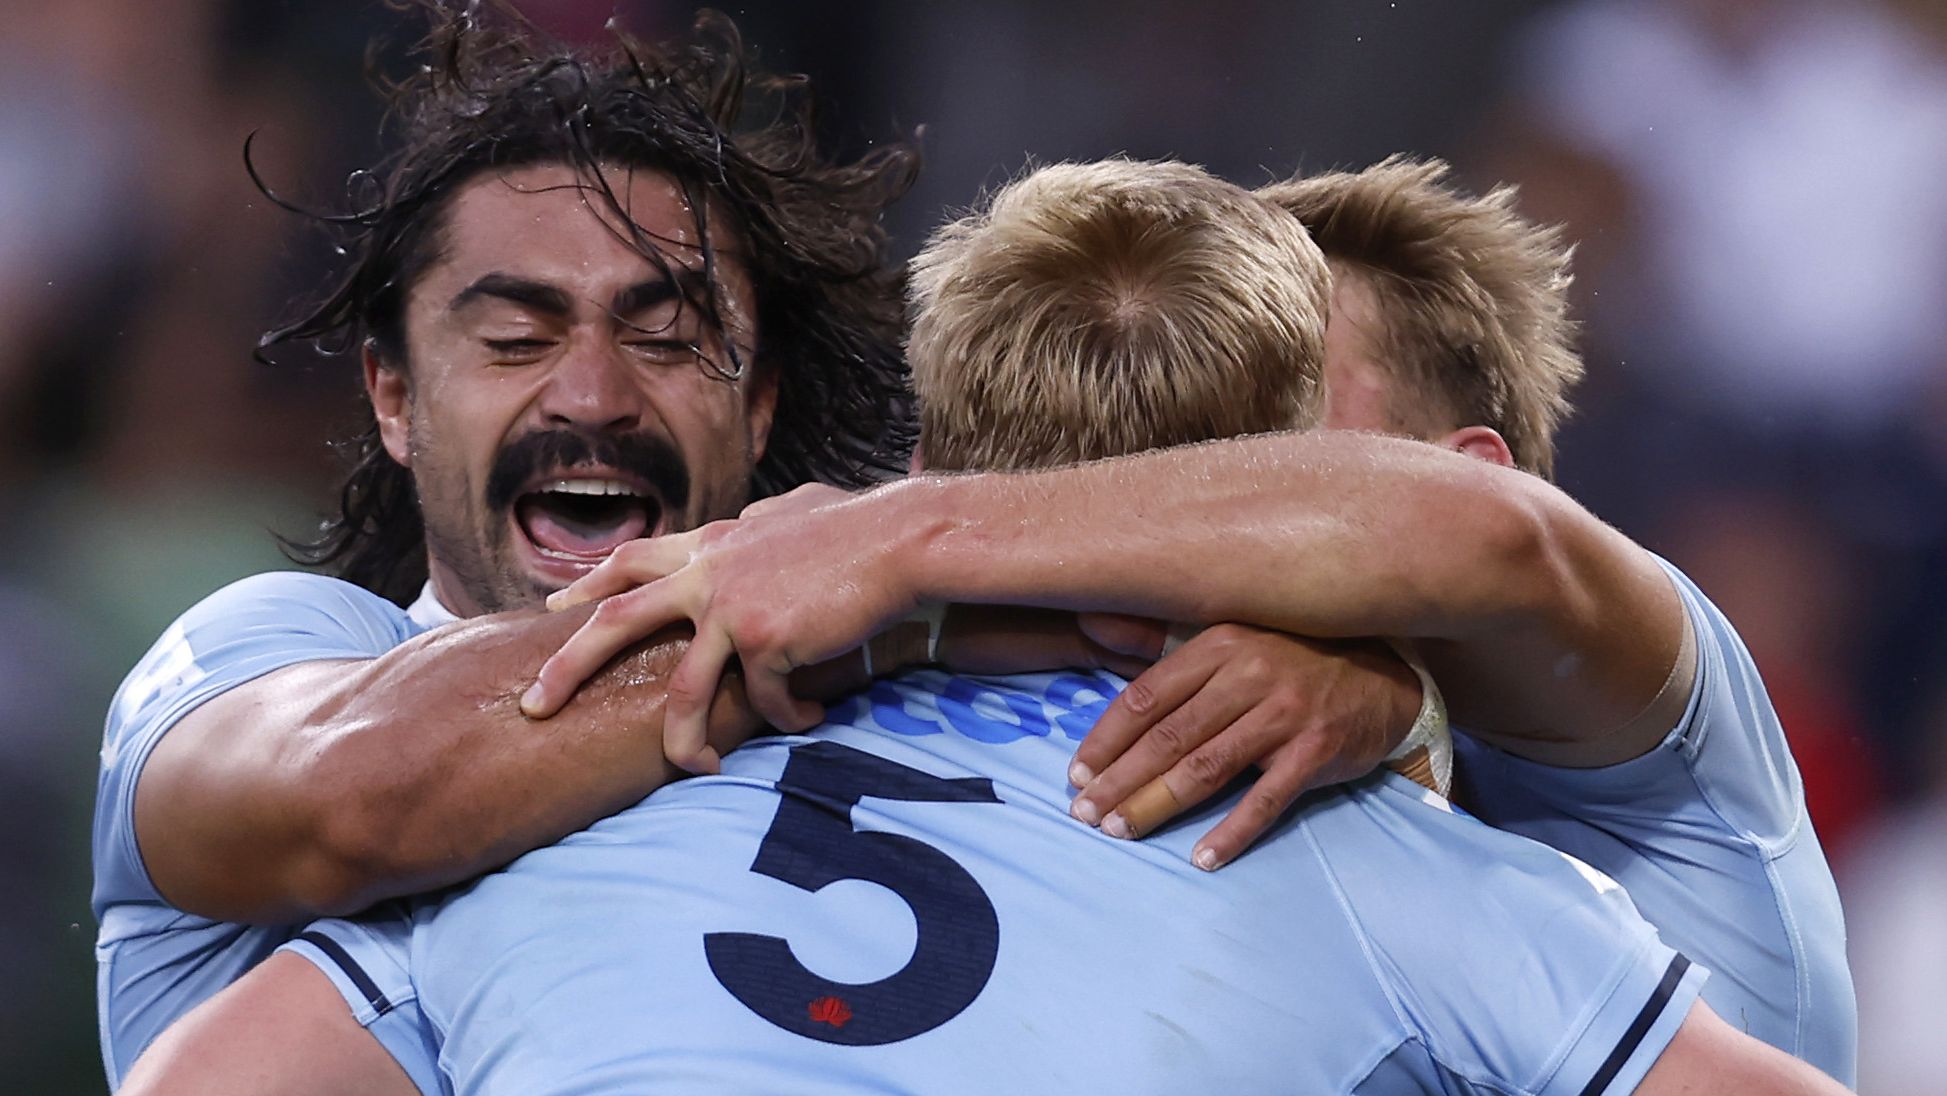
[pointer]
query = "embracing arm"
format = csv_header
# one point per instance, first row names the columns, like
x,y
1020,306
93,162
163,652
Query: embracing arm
x,y
1552,634
325,786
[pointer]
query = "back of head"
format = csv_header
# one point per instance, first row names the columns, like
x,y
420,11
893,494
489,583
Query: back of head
x,y
1094,310
1473,298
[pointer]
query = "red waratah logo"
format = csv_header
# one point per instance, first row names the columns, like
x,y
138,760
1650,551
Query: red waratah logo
x,y
830,1010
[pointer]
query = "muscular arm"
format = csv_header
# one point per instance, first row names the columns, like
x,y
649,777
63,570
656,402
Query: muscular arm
x,y
325,786
1552,634
281,1030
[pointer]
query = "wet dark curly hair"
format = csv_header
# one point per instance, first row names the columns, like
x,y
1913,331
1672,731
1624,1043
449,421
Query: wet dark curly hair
x,y
490,93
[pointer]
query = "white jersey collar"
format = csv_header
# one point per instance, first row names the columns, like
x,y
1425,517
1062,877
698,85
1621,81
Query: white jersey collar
x,y
428,612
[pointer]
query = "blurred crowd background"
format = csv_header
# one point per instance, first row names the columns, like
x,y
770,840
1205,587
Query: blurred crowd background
x,y
1755,188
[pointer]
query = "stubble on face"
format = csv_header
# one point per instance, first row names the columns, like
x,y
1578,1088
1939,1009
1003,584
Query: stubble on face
x,y
668,427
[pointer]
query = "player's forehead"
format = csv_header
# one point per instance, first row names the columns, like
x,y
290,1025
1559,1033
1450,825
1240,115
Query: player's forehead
x,y
559,225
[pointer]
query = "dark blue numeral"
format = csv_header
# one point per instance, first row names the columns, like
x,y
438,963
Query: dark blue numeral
x,y
812,843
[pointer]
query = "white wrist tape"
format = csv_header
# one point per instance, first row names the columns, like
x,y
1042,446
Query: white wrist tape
x,y
1430,728
933,614
1177,636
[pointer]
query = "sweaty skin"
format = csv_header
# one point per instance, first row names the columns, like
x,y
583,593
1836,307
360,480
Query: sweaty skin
x,y
323,787
1558,637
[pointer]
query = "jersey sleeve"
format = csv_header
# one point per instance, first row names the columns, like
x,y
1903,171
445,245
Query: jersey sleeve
x,y
241,632
1709,833
1518,969
1726,763
368,960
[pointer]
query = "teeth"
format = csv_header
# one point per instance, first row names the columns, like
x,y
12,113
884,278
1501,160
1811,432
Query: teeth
x,y
590,487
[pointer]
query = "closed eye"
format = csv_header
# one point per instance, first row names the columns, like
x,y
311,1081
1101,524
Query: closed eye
x,y
663,349
517,348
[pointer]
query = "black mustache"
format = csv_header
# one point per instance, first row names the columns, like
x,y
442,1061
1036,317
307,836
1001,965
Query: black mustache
x,y
649,456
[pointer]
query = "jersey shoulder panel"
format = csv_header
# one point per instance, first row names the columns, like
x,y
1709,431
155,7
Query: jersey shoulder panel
x,y
368,960
239,633
1731,735
1573,967
155,962
1708,831
1725,767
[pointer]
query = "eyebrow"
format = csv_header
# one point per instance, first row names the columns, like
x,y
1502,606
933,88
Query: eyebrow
x,y
539,296
690,284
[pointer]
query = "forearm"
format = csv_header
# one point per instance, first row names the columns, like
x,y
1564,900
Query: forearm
x,y
1547,626
324,789
1325,534
455,780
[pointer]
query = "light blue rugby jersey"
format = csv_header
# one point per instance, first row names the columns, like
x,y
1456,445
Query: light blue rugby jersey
x,y
900,902
1709,834
154,962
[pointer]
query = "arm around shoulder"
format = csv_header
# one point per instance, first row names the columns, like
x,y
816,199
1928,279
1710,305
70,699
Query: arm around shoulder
x,y
1552,634
323,786
1593,658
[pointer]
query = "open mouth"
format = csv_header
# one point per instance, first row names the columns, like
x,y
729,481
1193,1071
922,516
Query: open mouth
x,y
582,520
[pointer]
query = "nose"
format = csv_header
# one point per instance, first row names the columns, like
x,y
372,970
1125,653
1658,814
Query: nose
x,y
591,386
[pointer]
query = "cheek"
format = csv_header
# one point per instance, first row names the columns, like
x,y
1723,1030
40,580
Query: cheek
x,y
460,429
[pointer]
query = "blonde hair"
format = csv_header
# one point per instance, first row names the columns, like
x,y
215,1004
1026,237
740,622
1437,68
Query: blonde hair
x,y
1472,298
1093,310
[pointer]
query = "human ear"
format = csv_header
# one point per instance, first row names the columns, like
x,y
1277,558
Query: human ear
x,y
391,395
760,409
1481,443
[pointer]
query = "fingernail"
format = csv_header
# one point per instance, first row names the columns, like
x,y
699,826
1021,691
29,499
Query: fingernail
x,y
531,699
1116,826
1079,776
557,599
1205,859
1085,810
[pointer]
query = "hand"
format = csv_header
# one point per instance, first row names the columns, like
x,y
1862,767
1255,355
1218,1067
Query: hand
x,y
777,591
1307,712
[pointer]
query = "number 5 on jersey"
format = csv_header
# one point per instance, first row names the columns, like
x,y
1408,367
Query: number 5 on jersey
x,y
812,843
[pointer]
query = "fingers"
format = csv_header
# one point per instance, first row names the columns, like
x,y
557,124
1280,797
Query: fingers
x,y
616,623
770,695
692,688
1152,805
1201,773
636,563
1162,716
1149,696
1275,791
